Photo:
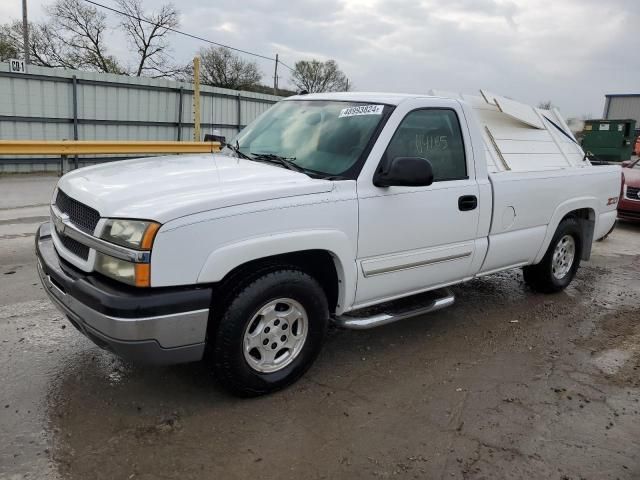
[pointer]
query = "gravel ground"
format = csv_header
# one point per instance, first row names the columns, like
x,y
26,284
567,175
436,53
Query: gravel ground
x,y
505,384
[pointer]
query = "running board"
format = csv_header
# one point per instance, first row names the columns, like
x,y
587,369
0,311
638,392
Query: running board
x,y
398,310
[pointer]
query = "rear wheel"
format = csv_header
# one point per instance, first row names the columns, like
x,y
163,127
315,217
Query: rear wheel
x,y
561,261
270,333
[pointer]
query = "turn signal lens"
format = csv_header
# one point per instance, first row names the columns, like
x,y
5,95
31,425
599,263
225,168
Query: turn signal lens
x,y
143,275
149,236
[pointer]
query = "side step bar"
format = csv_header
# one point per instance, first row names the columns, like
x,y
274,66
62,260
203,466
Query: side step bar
x,y
394,311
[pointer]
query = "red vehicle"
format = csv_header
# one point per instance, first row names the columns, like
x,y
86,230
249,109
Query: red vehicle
x,y
629,203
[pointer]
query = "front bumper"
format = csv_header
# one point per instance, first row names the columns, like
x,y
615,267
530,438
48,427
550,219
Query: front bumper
x,y
155,326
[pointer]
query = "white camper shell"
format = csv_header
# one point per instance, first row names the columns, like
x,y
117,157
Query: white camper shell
x,y
520,137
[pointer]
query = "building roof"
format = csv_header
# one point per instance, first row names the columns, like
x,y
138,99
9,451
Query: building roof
x,y
610,120
613,95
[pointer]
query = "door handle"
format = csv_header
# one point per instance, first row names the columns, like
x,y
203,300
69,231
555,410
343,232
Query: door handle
x,y
467,202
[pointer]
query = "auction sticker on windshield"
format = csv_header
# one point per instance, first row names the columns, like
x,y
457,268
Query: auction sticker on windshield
x,y
361,110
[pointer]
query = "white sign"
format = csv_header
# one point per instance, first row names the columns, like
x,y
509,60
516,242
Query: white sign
x,y
361,110
16,66
604,126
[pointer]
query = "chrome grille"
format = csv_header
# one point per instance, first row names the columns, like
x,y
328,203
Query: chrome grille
x,y
81,215
75,247
633,193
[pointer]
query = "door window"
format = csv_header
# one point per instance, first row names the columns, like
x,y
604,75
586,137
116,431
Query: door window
x,y
435,135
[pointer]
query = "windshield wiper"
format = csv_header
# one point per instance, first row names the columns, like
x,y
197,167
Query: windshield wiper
x,y
236,149
279,160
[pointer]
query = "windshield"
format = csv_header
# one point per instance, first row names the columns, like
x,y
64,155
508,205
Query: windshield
x,y
323,137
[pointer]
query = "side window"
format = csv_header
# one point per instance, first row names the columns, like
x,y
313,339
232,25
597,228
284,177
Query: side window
x,y
433,134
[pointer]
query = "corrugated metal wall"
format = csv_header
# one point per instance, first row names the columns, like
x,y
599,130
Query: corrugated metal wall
x,y
40,105
622,107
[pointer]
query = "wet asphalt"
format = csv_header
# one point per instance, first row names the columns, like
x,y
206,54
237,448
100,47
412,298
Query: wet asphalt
x,y
505,384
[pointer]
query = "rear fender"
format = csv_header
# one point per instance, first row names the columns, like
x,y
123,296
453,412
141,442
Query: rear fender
x,y
589,225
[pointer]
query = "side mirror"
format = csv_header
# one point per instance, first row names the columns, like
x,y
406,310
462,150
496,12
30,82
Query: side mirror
x,y
626,163
405,172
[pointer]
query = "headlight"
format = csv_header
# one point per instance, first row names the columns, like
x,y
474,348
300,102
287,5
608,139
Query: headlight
x,y
133,234
136,274
137,234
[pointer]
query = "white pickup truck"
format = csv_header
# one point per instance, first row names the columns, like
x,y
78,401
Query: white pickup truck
x,y
328,207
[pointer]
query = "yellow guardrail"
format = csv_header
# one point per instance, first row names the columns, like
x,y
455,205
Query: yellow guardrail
x,y
99,147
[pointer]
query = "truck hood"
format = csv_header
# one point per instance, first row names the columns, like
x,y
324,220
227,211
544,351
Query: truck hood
x,y
168,187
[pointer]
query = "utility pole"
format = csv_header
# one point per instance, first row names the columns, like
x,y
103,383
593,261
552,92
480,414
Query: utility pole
x,y
275,78
25,32
196,99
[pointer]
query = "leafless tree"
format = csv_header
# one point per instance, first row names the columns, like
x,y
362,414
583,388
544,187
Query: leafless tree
x,y
221,67
148,35
546,105
76,37
81,28
7,47
316,76
46,48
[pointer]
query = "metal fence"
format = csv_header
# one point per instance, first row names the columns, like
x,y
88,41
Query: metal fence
x,y
53,104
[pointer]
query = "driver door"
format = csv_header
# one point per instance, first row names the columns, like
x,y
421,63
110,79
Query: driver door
x,y
412,239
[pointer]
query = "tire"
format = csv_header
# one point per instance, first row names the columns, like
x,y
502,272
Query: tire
x,y
541,277
257,348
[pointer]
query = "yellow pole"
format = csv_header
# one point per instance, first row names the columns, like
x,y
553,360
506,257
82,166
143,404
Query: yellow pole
x,y
196,99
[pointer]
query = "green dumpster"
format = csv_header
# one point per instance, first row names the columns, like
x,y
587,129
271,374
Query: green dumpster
x,y
610,140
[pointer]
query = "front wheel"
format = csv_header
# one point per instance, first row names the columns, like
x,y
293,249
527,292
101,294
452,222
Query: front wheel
x,y
560,264
270,333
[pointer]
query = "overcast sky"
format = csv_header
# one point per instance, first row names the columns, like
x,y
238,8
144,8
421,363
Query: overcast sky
x,y
571,52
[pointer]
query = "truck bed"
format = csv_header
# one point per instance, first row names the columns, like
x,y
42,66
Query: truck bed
x,y
538,173
526,203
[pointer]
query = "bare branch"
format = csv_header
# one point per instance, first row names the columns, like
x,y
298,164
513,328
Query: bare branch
x,y
149,37
81,27
76,34
45,48
8,48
